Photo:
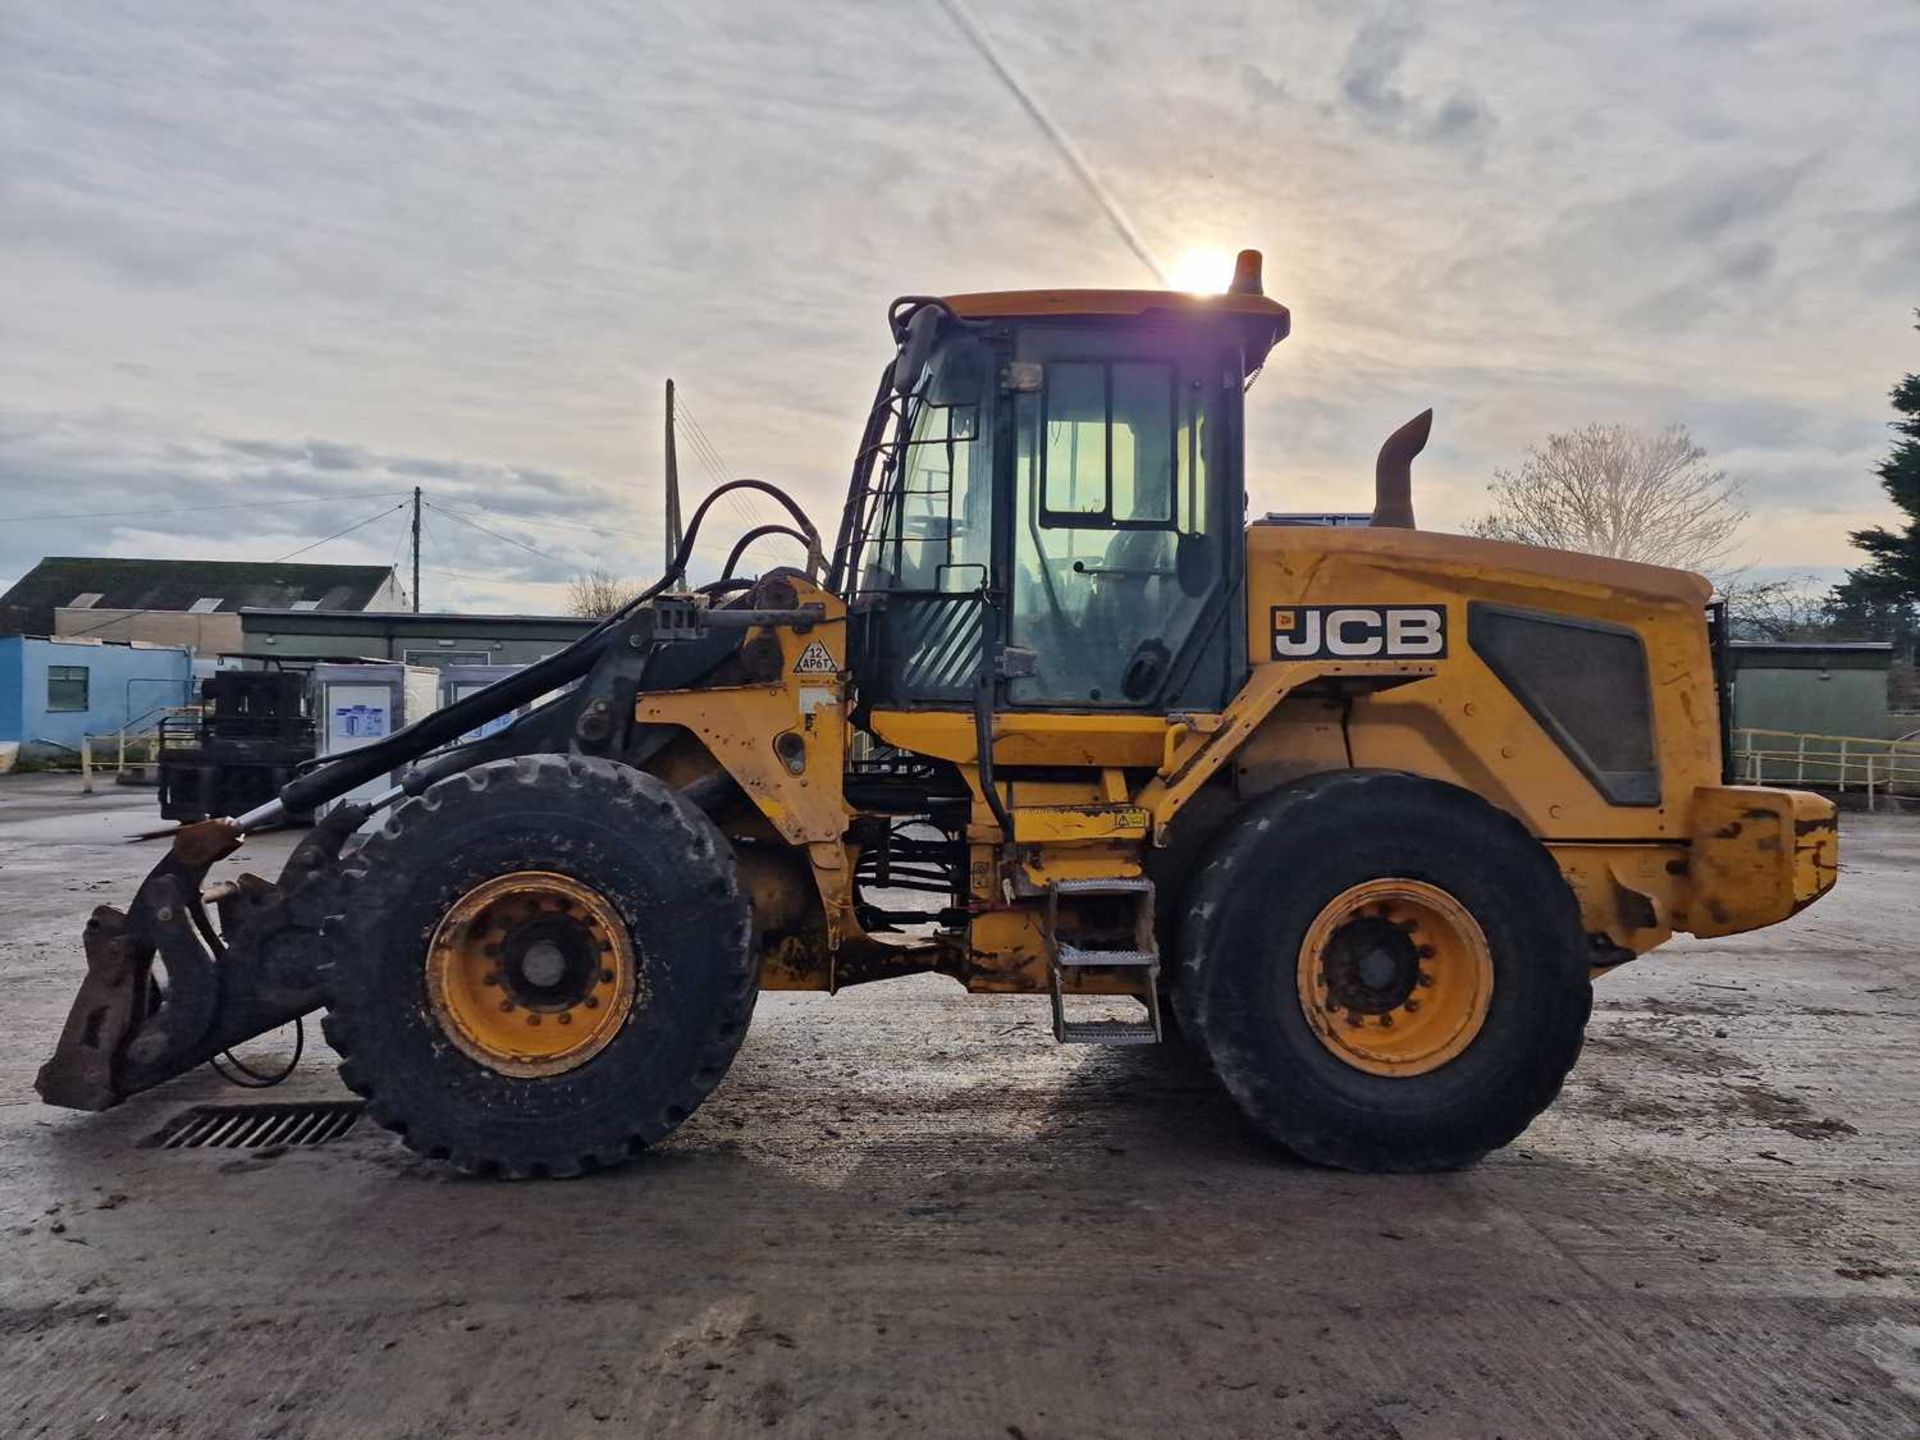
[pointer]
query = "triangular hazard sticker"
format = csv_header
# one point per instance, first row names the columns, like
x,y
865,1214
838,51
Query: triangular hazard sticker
x,y
815,660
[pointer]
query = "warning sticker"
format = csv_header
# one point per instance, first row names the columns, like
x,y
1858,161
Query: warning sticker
x,y
815,660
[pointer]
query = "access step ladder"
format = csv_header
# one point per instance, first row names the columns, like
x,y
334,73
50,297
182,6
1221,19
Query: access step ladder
x,y
1136,949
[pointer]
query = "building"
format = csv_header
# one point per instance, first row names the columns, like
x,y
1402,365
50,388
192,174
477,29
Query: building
x,y
437,640
1812,688
196,603
54,692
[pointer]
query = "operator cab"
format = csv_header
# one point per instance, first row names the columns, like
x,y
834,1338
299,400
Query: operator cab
x,y
1049,505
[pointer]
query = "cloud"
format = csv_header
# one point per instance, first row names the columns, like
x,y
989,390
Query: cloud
x,y
358,249
1370,83
1373,61
1261,88
111,484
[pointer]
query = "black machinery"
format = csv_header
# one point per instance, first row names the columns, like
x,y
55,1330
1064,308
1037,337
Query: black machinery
x,y
250,738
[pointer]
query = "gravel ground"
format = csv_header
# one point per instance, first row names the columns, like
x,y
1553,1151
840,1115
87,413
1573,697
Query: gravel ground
x,y
910,1213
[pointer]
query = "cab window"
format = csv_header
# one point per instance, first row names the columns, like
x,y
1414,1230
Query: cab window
x,y
1114,565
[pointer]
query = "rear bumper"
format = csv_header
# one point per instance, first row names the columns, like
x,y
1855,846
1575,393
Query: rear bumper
x,y
1756,856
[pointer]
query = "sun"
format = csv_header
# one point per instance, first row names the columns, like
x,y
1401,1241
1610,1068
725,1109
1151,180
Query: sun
x,y
1203,270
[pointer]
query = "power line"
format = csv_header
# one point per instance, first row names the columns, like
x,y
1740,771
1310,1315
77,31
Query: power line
x,y
746,506
198,509
432,542
474,525
150,609
520,518
358,524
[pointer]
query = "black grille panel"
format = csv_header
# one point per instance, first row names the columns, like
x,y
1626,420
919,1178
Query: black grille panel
x,y
252,1127
923,647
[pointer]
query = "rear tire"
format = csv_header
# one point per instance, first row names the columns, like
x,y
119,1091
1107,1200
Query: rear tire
x,y
591,857
1326,908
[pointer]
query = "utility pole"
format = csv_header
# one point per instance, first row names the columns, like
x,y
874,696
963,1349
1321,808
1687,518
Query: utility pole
x,y
673,483
416,549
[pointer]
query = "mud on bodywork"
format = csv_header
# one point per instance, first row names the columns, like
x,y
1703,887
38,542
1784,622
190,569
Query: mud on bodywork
x,y
1757,856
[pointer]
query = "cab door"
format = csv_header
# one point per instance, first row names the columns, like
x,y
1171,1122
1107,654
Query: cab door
x,y
1125,552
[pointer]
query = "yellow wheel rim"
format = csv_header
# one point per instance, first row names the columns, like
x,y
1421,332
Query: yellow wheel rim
x,y
531,973
1395,977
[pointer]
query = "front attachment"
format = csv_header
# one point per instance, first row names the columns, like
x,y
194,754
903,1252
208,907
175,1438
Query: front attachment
x,y
132,1025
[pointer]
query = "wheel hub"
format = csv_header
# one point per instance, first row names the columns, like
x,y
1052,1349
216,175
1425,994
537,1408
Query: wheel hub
x,y
1395,976
531,973
1371,966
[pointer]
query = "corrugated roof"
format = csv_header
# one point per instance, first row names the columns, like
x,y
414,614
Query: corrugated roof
x,y
126,584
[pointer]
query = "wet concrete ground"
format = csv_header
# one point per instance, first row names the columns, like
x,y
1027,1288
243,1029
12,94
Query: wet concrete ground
x,y
907,1212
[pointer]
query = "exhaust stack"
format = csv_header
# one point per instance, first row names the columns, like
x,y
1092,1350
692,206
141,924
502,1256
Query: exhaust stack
x,y
1393,473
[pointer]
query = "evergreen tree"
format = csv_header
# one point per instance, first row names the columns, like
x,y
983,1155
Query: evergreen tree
x,y
1892,577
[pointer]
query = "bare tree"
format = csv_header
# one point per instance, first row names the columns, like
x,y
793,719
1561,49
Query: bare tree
x,y
1613,490
1787,609
595,594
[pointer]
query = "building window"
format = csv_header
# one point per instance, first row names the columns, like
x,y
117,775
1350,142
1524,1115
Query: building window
x,y
66,687
205,605
446,657
86,600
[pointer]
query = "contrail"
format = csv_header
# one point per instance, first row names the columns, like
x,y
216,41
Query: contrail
x,y
961,16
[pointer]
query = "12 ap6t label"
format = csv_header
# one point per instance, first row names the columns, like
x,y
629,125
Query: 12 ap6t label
x,y
1359,632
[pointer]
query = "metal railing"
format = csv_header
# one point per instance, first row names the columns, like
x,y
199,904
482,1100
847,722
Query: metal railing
x,y
1864,763
138,742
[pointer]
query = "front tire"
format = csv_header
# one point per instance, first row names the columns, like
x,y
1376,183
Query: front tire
x,y
1387,973
545,965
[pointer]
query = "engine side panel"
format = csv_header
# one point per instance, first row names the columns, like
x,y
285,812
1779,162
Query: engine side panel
x,y
1368,595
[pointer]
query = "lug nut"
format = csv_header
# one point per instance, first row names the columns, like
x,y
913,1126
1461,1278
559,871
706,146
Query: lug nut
x,y
1425,952
493,979
506,1005
1425,979
533,1019
565,1019
606,976
1386,1022
592,1002
1411,1006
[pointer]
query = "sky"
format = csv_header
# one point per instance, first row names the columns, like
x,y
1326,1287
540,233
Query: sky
x,y
290,262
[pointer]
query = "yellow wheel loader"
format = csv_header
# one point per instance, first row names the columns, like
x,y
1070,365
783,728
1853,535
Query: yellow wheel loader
x,y
1360,811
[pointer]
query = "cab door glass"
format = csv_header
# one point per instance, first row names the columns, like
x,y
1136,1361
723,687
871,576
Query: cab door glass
x,y
937,534
1113,562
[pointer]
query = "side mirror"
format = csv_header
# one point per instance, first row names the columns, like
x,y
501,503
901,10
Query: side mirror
x,y
923,328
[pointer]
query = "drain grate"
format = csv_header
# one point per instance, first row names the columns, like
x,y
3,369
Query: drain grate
x,y
249,1127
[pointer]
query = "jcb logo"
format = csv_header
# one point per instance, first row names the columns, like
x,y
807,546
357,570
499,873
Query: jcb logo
x,y
1359,632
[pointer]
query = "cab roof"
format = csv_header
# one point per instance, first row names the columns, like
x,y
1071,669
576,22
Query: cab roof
x,y
1033,304
1265,321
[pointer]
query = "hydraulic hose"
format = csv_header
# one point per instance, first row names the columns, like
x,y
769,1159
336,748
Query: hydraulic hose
x,y
761,532
336,777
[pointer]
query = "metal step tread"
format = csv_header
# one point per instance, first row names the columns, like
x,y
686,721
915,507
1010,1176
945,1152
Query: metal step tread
x,y
1116,885
1073,955
1107,1032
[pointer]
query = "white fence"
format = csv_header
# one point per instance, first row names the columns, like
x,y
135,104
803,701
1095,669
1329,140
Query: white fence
x,y
1832,762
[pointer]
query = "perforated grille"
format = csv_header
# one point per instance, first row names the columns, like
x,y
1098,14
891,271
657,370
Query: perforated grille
x,y
250,1127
